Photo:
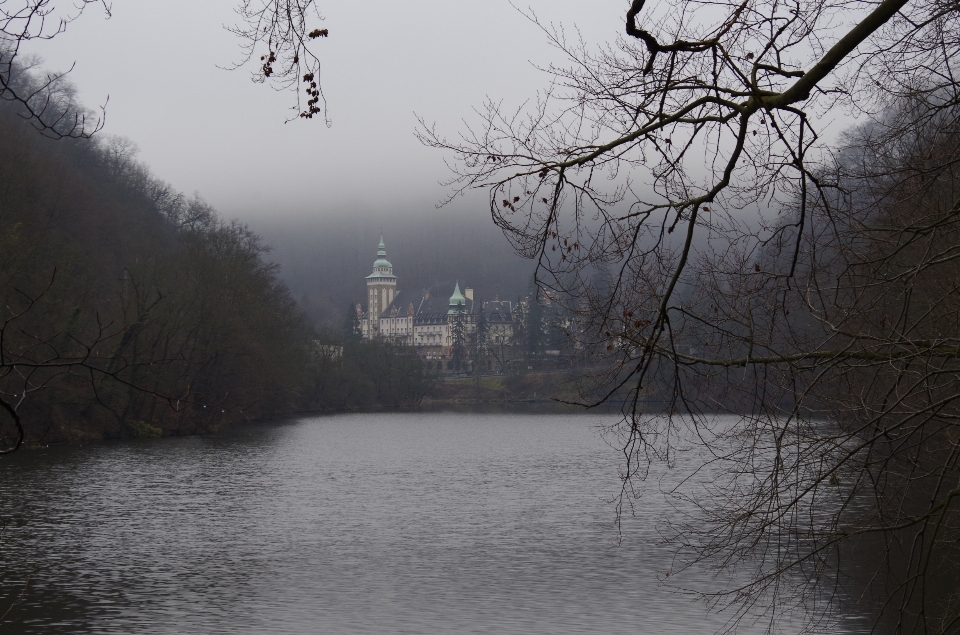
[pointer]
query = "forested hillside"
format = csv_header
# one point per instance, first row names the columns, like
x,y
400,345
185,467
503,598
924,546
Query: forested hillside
x,y
130,309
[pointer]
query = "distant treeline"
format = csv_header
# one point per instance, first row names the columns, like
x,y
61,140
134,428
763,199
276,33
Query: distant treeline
x,y
129,309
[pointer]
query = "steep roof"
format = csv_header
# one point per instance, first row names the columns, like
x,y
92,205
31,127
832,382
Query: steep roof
x,y
403,304
432,304
498,311
458,303
381,266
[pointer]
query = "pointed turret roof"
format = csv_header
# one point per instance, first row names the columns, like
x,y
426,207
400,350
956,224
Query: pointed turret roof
x,y
458,303
381,266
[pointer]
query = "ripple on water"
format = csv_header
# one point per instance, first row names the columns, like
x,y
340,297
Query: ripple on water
x,y
362,523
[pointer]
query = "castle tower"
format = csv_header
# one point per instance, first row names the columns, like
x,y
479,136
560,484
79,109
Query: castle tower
x,y
381,288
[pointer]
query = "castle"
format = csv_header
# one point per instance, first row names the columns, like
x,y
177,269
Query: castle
x,y
429,321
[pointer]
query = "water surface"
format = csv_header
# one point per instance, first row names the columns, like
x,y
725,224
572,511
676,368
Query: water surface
x,y
360,523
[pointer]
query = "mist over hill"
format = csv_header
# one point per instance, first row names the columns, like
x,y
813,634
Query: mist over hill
x,y
324,260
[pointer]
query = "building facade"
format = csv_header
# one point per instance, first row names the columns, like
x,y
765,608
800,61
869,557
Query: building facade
x,y
431,321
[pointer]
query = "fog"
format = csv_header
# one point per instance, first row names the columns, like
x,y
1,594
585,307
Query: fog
x,y
321,196
214,131
324,262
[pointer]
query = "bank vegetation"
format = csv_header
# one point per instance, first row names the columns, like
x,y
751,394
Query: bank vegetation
x,y
131,309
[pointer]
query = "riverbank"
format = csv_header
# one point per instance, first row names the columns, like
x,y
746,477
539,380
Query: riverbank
x,y
504,389
62,427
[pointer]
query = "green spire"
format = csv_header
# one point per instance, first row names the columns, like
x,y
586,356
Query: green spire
x,y
458,303
381,266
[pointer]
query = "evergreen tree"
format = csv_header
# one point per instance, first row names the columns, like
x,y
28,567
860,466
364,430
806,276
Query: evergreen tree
x,y
352,330
458,334
483,329
534,326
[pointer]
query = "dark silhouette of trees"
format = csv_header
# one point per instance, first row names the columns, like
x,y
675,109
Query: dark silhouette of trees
x,y
160,316
349,373
680,202
130,309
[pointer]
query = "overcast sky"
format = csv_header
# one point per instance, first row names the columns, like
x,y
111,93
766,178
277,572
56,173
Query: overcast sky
x,y
209,130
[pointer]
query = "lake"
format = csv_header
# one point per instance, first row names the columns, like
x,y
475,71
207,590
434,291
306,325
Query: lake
x,y
436,522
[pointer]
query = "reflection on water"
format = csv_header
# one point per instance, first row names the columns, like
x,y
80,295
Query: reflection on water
x,y
362,523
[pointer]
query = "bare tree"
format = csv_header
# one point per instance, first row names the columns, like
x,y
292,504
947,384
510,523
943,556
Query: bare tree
x,y
281,32
759,271
278,33
31,361
41,101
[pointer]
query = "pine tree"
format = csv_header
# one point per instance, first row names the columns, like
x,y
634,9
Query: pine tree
x,y
483,329
459,341
352,331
